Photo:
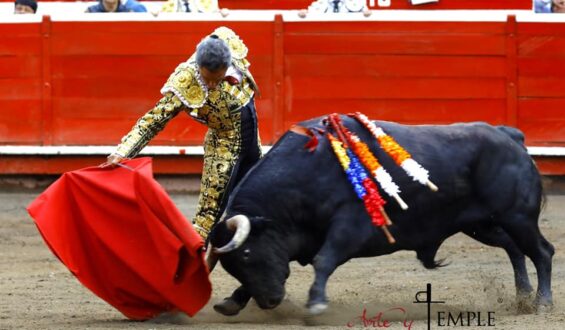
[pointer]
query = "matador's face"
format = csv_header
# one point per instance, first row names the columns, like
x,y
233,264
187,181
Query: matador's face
x,y
212,78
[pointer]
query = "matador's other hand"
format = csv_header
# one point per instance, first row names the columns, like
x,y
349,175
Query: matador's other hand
x,y
112,161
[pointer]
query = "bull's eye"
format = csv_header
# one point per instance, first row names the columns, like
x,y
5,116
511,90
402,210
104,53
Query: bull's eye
x,y
246,253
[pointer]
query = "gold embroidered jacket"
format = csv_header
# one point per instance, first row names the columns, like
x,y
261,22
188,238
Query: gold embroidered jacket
x,y
185,90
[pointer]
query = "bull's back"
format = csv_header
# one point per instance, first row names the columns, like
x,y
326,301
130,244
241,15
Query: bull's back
x,y
466,160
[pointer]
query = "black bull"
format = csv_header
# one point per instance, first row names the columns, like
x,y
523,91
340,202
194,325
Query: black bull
x,y
298,205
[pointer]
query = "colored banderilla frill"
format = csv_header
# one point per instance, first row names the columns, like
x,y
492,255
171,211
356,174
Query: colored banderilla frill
x,y
400,156
364,187
369,161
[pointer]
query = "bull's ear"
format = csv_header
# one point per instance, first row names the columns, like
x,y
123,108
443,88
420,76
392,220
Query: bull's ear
x,y
258,224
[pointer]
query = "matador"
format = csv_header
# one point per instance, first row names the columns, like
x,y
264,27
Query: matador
x,y
214,86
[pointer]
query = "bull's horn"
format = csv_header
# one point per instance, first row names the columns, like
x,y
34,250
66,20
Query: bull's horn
x,y
211,258
242,227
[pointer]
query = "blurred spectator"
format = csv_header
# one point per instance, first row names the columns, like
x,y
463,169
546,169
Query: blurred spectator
x,y
337,6
133,5
116,6
190,6
549,6
25,7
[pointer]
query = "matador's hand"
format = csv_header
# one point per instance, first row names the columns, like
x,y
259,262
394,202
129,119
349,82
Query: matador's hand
x,y
112,161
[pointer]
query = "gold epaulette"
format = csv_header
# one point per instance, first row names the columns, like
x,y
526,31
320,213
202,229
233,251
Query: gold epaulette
x,y
184,84
238,52
237,47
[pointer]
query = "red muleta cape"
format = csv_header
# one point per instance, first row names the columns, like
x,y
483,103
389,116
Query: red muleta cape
x,y
121,235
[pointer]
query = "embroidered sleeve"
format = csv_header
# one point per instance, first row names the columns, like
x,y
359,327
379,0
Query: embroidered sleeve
x,y
149,125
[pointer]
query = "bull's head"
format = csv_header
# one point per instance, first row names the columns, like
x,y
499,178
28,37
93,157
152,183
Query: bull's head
x,y
253,251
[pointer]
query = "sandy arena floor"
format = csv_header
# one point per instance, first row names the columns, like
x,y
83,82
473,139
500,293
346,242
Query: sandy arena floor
x,y
37,292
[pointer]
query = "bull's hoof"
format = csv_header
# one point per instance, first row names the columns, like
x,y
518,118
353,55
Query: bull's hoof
x,y
524,303
543,304
525,306
228,307
543,308
318,308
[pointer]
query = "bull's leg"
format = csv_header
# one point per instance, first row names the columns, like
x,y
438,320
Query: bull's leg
x,y
496,236
526,234
233,304
324,266
476,221
342,241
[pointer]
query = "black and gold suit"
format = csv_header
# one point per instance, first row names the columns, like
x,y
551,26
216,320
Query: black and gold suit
x,y
231,145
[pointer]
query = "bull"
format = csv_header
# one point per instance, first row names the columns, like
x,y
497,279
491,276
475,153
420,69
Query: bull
x,y
297,205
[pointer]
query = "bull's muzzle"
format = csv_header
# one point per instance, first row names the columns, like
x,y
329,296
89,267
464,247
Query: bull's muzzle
x,y
269,302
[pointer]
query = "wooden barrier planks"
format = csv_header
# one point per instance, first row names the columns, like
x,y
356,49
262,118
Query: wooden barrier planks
x,y
412,72
86,83
20,83
105,76
541,64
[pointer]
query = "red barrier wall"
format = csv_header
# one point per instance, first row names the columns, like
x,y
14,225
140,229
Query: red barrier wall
x,y
105,75
21,58
85,83
541,76
411,72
